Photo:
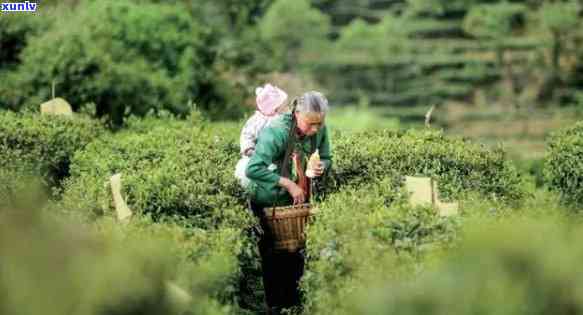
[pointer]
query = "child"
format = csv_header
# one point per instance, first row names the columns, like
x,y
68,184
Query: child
x,y
270,102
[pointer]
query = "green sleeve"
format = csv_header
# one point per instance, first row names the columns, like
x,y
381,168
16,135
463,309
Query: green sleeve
x,y
270,146
324,149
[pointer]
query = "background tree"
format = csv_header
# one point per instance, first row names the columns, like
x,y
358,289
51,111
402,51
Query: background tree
x,y
560,23
293,27
498,24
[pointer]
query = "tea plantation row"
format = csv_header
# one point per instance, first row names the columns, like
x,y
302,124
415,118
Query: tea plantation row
x,y
174,170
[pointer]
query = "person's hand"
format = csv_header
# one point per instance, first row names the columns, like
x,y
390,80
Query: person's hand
x,y
319,170
298,194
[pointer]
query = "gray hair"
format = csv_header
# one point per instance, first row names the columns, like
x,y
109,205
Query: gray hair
x,y
312,102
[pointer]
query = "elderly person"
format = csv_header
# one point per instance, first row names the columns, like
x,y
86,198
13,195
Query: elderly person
x,y
286,143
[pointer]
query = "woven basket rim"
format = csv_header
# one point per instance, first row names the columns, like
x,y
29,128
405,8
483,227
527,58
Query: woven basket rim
x,y
303,205
288,212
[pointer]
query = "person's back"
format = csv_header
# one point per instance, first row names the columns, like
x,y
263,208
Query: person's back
x,y
270,102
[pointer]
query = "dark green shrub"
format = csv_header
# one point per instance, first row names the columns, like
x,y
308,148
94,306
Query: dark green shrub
x,y
184,171
460,166
236,36
15,30
124,57
43,145
563,169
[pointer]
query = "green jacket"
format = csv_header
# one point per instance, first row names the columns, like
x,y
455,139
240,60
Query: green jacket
x,y
270,149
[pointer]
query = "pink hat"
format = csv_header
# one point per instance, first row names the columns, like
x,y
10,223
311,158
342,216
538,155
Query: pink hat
x,y
269,99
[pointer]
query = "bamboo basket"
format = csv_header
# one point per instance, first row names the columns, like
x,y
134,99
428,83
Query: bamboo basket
x,y
287,225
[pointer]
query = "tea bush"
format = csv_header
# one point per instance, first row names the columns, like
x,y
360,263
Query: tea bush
x,y
21,188
366,232
362,235
563,168
459,165
205,263
516,268
184,171
152,120
108,268
44,144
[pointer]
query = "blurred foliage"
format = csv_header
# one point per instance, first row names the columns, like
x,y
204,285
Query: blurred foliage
x,y
563,165
359,118
560,23
560,16
533,168
446,50
438,7
515,268
103,52
15,31
21,187
205,262
387,36
309,25
106,51
212,53
52,266
494,21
